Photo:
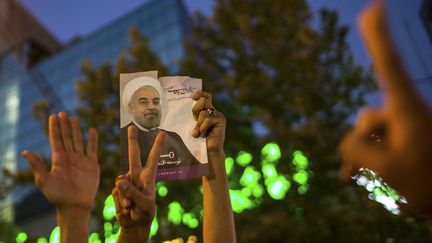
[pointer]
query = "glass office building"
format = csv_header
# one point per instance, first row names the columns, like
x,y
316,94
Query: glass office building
x,y
26,78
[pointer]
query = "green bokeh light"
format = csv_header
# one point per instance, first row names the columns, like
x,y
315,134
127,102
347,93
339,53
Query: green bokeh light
x,y
162,189
154,227
41,240
250,177
244,158
271,152
278,187
300,161
109,210
21,237
229,165
108,229
303,189
239,202
258,191
269,170
175,212
94,238
193,223
301,177
55,235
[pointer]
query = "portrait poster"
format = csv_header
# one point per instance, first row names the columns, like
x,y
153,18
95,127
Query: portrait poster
x,y
155,104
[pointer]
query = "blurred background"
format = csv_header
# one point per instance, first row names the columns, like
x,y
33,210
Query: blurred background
x,y
289,75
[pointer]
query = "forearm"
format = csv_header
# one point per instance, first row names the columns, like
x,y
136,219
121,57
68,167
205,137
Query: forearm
x,y
73,223
134,235
218,216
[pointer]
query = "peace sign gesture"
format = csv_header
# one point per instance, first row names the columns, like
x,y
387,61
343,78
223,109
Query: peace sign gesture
x,y
134,193
396,140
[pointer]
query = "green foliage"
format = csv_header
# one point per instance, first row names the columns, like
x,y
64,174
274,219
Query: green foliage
x,y
266,63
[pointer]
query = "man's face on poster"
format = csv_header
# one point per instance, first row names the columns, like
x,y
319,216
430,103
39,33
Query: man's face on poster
x,y
145,107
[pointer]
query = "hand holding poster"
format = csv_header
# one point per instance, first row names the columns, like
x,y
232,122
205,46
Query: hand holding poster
x,y
155,105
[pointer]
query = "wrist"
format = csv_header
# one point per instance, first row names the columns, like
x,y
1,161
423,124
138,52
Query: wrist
x,y
134,234
73,223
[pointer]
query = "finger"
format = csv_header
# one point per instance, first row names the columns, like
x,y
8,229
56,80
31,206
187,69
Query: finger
x,y
54,134
208,124
117,199
129,191
371,120
40,171
202,104
199,94
137,197
65,131
92,145
399,91
196,132
152,160
133,150
77,139
124,202
358,152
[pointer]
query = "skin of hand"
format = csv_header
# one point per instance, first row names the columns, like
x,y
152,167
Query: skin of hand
x,y
213,128
72,182
395,140
134,193
218,217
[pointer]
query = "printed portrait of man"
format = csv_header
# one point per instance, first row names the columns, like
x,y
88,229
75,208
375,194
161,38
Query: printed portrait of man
x,y
143,97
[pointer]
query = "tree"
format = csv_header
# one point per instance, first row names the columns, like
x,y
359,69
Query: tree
x,y
266,64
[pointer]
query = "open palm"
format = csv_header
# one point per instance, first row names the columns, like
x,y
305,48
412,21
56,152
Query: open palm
x,y
74,176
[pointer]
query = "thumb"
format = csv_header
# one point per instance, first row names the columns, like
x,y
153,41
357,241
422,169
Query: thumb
x,y
39,169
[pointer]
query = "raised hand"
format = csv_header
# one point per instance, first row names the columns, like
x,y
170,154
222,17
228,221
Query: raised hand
x,y
73,179
210,123
396,140
218,217
72,182
134,194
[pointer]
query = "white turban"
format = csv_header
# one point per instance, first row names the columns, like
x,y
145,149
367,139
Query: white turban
x,y
135,84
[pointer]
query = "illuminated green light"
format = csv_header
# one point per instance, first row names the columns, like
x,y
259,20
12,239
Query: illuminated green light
x,y
229,165
154,227
41,240
162,189
246,192
271,152
244,158
175,212
193,223
21,237
257,191
301,177
239,202
269,170
109,210
300,161
55,235
186,217
108,229
94,238
250,177
277,188
303,189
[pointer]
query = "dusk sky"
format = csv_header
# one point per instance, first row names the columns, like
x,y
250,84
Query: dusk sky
x,y
66,19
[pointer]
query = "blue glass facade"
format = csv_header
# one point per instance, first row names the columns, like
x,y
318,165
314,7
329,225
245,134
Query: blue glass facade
x,y
163,22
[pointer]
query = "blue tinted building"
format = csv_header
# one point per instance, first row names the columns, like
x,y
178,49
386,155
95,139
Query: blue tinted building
x,y
34,66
